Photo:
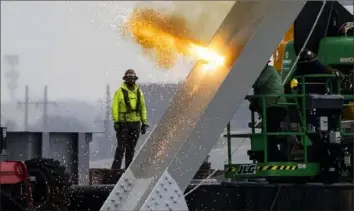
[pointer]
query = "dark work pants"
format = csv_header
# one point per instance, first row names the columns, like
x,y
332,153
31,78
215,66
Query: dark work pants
x,y
275,115
127,138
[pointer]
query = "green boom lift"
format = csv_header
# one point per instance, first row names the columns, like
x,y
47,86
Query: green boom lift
x,y
320,152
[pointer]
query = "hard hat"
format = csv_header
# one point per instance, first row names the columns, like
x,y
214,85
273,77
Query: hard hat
x,y
130,75
294,83
307,56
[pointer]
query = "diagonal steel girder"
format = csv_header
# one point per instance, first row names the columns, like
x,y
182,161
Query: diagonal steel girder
x,y
203,105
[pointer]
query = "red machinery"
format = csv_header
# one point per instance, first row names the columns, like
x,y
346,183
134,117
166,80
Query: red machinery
x,y
36,184
14,180
12,172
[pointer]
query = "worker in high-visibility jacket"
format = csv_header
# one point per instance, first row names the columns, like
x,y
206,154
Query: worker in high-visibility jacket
x,y
270,83
130,118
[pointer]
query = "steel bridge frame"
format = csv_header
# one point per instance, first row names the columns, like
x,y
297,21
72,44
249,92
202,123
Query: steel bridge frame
x,y
204,103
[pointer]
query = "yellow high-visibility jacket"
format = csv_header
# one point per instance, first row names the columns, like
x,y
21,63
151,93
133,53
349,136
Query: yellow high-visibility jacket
x,y
122,113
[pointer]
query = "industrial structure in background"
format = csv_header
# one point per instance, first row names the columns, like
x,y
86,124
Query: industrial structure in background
x,y
11,64
26,103
160,177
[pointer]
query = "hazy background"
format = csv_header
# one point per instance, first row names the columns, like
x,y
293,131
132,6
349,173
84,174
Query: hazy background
x,y
75,48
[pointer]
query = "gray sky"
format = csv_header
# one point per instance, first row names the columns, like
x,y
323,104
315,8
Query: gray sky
x,y
74,47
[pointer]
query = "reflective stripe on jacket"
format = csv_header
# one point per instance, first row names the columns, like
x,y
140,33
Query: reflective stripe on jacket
x,y
120,111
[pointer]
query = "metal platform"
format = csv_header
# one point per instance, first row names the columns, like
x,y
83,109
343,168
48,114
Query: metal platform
x,y
241,196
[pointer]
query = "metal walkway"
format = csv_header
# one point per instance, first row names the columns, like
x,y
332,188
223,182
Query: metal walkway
x,y
204,103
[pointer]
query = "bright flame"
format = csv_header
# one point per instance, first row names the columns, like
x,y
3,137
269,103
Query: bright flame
x,y
211,58
167,36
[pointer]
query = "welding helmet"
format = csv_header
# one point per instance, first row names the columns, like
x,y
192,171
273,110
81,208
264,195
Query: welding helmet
x,y
307,56
130,75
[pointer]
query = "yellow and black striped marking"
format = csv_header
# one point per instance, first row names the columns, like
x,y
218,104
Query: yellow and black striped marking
x,y
266,168
277,168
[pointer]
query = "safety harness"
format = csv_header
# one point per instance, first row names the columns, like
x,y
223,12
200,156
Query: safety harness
x,y
128,104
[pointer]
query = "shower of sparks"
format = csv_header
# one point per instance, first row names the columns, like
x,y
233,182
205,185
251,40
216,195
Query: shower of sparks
x,y
166,36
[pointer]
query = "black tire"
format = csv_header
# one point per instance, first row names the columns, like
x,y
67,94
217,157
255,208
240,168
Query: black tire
x,y
51,190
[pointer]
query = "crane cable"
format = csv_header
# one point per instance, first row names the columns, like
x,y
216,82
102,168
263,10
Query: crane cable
x,y
258,121
305,44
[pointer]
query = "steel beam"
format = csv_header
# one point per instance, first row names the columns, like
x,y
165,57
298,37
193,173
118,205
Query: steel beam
x,y
203,105
267,34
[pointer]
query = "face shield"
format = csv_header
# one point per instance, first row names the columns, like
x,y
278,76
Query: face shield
x,y
130,78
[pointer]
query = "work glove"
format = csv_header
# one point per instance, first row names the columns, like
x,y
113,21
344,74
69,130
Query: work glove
x,y
116,126
144,128
338,73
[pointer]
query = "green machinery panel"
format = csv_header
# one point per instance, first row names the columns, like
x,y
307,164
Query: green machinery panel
x,y
336,51
289,59
332,51
276,169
